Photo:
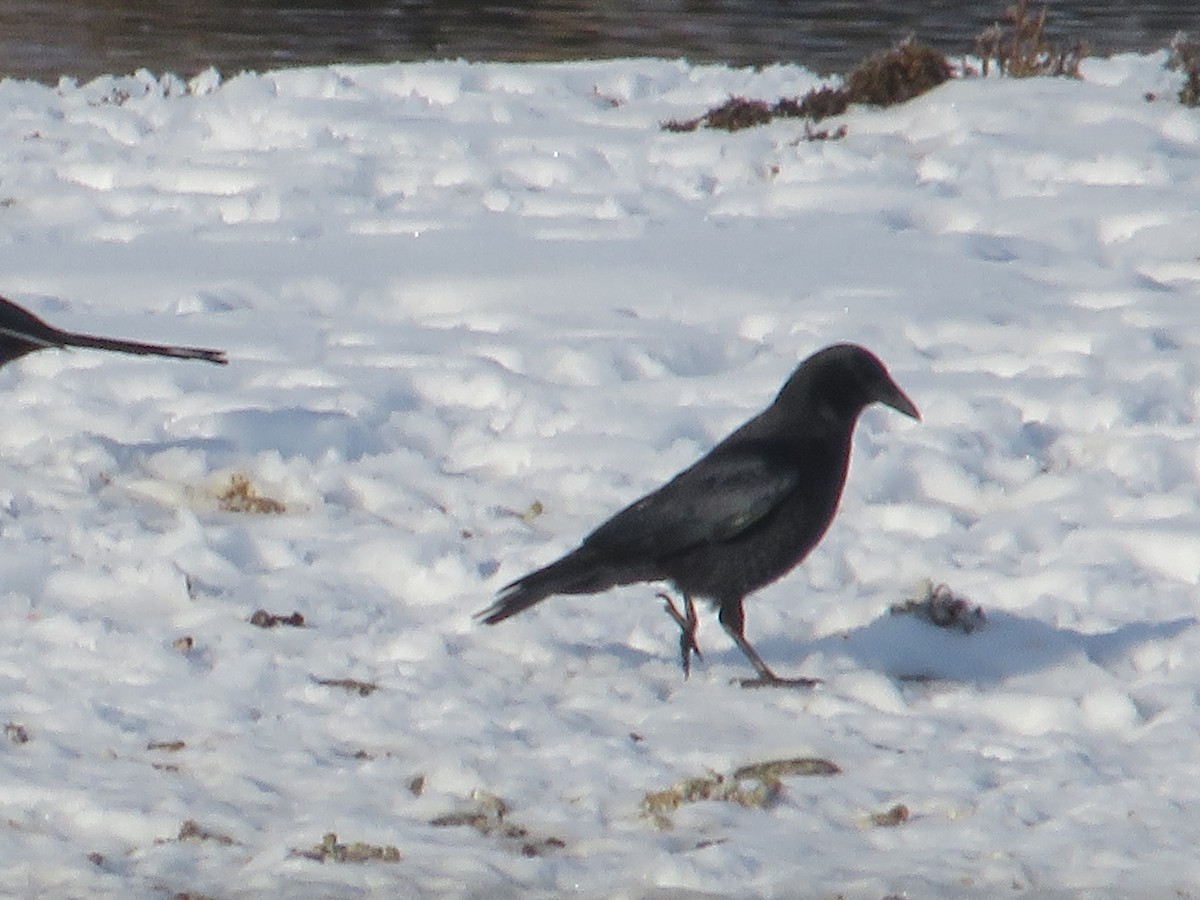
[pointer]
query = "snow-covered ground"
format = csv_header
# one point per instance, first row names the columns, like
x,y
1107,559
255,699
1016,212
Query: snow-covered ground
x,y
454,295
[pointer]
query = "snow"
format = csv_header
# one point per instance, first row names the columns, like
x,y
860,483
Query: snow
x,y
454,294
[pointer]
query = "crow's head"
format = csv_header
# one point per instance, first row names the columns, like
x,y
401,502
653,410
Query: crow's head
x,y
841,381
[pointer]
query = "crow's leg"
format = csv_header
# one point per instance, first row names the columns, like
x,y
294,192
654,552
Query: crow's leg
x,y
687,623
733,620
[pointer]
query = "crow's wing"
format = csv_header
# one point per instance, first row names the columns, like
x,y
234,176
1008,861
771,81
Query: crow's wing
x,y
716,499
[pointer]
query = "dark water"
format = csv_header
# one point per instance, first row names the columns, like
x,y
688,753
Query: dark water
x,y
45,39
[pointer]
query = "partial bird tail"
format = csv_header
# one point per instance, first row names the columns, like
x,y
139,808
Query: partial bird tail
x,y
525,592
575,573
22,332
72,339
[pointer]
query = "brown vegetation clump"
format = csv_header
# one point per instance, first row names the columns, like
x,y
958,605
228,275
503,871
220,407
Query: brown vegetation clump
x,y
899,75
489,816
756,786
332,850
817,104
737,113
1185,57
1020,49
264,619
1017,46
734,114
241,497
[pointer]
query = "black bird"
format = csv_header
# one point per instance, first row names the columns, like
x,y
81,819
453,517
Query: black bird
x,y
739,518
22,332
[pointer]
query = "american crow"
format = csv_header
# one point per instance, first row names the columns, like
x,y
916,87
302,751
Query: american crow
x,y
22,332
739,518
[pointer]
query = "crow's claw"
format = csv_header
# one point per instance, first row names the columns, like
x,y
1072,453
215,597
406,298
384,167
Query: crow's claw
x,y
687,622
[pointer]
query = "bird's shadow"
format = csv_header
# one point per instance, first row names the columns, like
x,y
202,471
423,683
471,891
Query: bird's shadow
x,y
128,454
628,658
291,431
912,649
1004,646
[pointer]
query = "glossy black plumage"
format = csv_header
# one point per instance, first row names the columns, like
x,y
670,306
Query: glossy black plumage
x,y
739,518
22,332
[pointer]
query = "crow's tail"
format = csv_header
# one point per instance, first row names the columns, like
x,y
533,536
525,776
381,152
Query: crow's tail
x,y
116,345
575,573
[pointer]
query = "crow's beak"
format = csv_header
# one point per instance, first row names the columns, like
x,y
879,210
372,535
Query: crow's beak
x,y
898,400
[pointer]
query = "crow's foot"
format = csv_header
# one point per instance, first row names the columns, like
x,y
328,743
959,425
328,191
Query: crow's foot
x,y
687,623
